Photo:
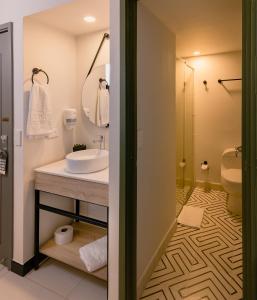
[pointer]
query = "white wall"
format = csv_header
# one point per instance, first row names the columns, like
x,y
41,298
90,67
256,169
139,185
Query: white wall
x,y
55,52
156,135
66,59
217,111
14,11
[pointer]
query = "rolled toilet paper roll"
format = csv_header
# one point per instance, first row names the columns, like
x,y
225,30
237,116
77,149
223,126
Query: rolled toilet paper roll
x,y
63,235
204,167
182,164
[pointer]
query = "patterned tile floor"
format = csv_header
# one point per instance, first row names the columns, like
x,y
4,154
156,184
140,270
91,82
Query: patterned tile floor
x,y
202,263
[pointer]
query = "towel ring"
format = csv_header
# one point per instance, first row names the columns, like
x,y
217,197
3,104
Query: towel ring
x,y
35,71
102,80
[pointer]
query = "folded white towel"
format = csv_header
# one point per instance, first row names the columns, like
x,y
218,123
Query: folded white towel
x,y
39,124
102,117
94,255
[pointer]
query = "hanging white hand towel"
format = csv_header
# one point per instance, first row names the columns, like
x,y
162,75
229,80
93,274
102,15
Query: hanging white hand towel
x,y
39,123
94,255
102,118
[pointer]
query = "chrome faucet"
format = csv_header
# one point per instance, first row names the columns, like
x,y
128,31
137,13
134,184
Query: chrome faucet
x,y
237,150
100,141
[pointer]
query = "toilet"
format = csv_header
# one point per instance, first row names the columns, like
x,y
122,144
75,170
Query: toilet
x,y
231,179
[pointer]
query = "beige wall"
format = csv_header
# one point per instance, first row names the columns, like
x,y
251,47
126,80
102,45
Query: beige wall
x,y
217,111
156,136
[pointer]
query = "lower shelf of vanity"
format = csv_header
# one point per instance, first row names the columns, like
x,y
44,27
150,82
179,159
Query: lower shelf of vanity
x,y
69,253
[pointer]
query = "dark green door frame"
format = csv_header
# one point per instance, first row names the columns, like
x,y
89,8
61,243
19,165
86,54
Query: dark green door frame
x,y
249,151
128,151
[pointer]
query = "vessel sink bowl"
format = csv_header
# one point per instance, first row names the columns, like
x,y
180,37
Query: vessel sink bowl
x,y
87,161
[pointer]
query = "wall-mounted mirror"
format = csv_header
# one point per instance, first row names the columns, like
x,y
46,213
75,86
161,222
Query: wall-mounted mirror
x,y
95,96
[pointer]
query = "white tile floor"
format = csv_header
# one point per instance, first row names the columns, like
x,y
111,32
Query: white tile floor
x,y
203,263
53,281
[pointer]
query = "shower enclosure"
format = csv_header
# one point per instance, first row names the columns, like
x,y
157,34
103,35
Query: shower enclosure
x,y
184,133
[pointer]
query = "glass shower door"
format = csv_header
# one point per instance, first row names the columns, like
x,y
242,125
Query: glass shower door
x,y
184,133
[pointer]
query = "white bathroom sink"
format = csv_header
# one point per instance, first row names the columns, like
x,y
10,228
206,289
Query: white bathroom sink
x,y
87,161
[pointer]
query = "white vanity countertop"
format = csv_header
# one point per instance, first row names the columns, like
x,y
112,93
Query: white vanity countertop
x,y
58,169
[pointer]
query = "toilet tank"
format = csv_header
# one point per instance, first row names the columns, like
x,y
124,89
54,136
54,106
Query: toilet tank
x,y
229,159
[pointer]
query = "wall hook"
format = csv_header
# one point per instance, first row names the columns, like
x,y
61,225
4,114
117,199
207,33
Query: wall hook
x,y
205,84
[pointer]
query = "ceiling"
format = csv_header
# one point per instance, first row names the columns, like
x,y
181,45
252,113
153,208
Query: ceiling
x,y
208,26
69,17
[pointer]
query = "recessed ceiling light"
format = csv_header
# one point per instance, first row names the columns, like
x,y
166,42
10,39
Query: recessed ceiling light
x,y
89,19
196,53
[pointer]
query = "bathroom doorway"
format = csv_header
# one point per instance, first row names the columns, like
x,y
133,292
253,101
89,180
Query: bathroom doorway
x,y
6,148
248,128
67,68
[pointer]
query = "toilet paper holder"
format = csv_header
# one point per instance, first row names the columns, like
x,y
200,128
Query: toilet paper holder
x,y
204,165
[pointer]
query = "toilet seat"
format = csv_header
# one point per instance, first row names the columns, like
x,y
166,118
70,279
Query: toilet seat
x,y
232,175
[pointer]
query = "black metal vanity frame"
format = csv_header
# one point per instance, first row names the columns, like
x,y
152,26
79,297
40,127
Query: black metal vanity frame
x,y
76,216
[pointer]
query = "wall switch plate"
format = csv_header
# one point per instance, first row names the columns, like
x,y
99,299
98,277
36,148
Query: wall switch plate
x,y
18,138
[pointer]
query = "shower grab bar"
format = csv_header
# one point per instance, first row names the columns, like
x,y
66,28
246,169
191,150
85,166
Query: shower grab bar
x,y
220,81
